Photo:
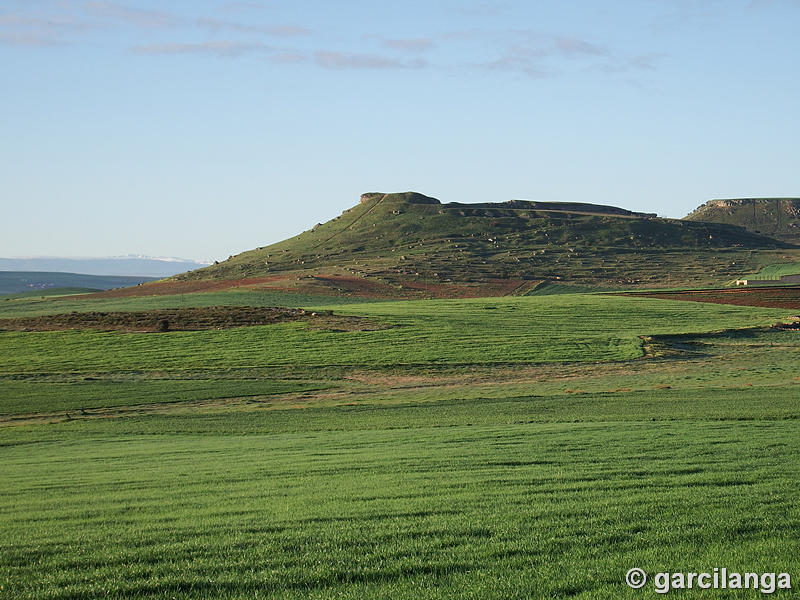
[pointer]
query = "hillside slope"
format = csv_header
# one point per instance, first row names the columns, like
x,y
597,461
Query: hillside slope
x,y
413,242
775,217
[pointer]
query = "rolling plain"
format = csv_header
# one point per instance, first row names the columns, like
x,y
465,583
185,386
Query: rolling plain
x,y
518,445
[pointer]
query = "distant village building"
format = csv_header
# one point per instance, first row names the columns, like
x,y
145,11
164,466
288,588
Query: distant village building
x,y
784,280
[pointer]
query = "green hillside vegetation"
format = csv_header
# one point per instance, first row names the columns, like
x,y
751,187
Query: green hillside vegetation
x,y
410,239
777,271
775,217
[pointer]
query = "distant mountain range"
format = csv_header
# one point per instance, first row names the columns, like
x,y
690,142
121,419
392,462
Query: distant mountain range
x,y
129,266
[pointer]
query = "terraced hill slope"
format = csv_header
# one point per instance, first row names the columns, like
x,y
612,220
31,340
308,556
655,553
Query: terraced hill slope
x,y
775,217
410,245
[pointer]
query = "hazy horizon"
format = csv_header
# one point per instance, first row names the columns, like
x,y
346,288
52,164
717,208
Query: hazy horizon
x,y
101,265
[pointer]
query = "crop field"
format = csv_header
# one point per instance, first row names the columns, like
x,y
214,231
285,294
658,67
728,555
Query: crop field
x,y
516,447
31,307
776,271
434,332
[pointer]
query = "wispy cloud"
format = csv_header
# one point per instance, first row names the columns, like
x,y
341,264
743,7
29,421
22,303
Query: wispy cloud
x,y
35,31
344,60
520,59
52,22
533,53
222,48
647,62
409,44
640,62
573,46
217,25
526,52
30,40
59,22
132,16
537,54
326,59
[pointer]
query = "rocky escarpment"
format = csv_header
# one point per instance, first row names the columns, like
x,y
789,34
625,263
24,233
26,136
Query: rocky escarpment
x,y
778,218
406,197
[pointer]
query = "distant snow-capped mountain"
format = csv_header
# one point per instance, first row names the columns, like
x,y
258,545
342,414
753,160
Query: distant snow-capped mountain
x,y
132,265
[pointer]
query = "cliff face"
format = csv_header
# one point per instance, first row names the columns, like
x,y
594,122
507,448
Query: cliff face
x,y
775,217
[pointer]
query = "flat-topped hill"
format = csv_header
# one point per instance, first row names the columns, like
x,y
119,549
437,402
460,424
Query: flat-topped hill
x,y
776,217
410,241
568,207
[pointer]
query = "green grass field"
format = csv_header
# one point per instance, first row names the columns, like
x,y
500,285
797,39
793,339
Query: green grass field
x,y
559,328
527,447
776,271
31,307
59,291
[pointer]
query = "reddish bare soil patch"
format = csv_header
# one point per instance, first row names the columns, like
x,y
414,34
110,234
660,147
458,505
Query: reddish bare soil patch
x,y
768,297
490,287
187,319
332,285
358,286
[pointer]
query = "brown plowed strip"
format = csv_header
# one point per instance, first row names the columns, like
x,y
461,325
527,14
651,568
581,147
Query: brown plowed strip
x,y
767,297
187,319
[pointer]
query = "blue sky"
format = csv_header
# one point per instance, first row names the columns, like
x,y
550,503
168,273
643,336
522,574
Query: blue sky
x,y
204,128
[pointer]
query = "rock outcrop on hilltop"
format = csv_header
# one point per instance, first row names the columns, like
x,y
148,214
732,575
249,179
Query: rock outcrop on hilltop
x,y
778,218
409,197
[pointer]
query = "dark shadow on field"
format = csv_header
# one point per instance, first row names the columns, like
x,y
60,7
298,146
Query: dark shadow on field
x,y
380,517
217,589
701,345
